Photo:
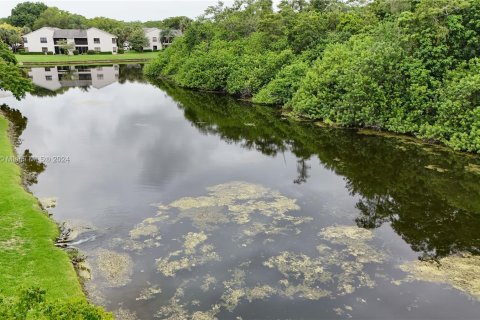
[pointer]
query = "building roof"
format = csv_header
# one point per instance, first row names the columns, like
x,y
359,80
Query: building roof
x,y
69,33
147,30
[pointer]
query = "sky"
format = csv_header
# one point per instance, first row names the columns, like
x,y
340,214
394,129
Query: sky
x,y
124,10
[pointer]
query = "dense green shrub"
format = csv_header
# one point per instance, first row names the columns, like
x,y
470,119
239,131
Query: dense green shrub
x,y
75,52
50,53
281,89
458,109
91,52
408,67
32,304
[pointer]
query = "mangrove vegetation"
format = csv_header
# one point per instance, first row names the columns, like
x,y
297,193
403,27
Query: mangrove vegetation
x,y
409,67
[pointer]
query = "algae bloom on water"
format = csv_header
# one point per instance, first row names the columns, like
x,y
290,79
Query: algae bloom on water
x,y
460,271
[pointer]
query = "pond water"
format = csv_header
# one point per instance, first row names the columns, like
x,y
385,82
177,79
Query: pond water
x,y
196,206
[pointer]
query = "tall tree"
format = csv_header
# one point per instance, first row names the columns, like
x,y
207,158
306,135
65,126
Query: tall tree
x,y
11,78
24,14
54,17
11,35
138,40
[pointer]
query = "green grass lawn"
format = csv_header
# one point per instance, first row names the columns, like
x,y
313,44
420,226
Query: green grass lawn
x,y
28,257
85,57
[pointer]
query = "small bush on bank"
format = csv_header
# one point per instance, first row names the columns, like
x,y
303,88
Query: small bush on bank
x,y
32,304
91,52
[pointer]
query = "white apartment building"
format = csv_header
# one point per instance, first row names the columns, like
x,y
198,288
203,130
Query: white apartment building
x,y
153,36
46,39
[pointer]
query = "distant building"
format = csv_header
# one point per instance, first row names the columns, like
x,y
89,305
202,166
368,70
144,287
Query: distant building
x,y
54,78
46,39
168,36
158,39
153,36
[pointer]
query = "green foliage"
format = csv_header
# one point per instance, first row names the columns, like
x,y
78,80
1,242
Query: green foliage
x,y
32,304
11,77
54,17
24,14
404,66
10,35
138,40
458,109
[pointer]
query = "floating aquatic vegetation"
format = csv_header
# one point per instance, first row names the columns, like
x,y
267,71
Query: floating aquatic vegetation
x,y
149,293
169,267
115,267
143,230
48,203
301,268
174,310
436,168
207,219
260,293
192,240
459,271
208,281
241,200
124,314
73,229
473,168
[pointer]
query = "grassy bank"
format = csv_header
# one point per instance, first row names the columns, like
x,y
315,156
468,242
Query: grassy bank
x,y
28,257
85,59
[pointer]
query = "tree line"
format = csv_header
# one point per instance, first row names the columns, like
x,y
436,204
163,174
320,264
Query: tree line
x,y
30,16
407,66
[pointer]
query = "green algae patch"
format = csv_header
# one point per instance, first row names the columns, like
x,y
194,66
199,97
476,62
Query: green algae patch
x,y
436,168
149,293
473,168
28,256
459,271
116,268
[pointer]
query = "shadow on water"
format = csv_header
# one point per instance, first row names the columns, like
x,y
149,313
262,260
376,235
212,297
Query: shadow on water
x,y
427,193
31,166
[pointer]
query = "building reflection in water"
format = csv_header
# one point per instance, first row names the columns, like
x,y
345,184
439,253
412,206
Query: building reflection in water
x,y
55,78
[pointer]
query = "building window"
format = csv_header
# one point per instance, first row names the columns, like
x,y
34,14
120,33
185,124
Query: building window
x,y
100,76
114,41
96,40
114,49
47,69
44,49
43,40
25,40
48,78
154,39
97,49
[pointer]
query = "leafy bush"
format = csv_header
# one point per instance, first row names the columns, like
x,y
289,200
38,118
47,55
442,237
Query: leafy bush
x,y
147,50
380,65
91,52
32,304
105,52
50,53
75,52
120,51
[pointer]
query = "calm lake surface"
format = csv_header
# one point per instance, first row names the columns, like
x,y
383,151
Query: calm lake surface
x,y
195,206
